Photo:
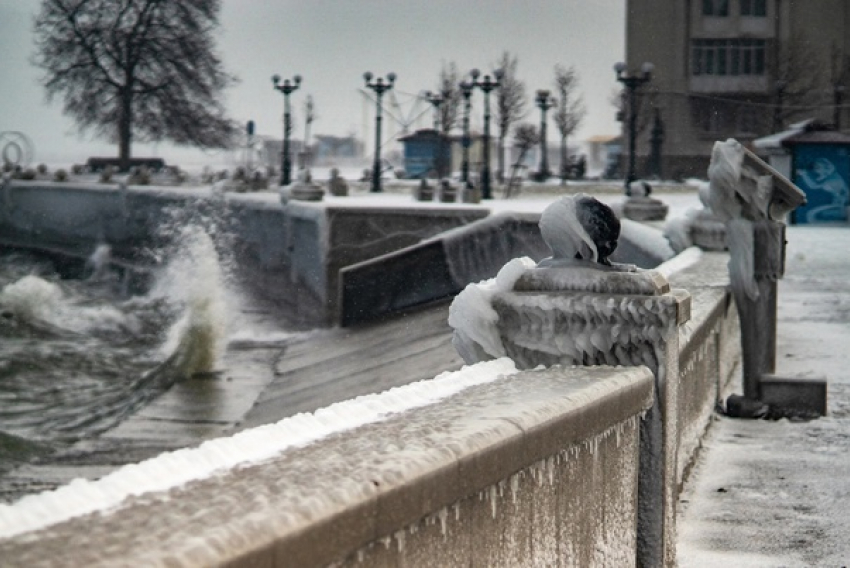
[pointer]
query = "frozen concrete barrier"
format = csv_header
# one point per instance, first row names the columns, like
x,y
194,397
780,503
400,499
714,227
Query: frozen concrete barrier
x,y
530,468
291,254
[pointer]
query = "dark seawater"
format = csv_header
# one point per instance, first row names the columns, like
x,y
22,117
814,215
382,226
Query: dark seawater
x,y
78,355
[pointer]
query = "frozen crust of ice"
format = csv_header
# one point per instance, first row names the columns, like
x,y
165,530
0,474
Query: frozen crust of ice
x,y
173,469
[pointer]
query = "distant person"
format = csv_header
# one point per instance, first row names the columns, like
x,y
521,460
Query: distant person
x,y
824,177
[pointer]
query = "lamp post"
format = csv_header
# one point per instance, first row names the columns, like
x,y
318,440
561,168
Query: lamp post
x,y
486,85
544,102
656,139
838,94
380,87
466,92
286,88
631,83
436,100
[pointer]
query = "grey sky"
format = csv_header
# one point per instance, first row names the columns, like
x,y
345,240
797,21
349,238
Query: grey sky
x,y
331,43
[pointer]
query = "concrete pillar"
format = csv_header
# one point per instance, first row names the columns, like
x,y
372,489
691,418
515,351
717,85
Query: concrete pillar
x,y
587,316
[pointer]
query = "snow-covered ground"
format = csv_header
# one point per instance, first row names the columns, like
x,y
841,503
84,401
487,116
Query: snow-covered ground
x,y
769,494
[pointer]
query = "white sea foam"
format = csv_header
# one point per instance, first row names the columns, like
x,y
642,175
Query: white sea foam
x,y
35,299
195,281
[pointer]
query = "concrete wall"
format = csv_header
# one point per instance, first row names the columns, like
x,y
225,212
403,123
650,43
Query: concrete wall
x,y
536,468
709,352
291,254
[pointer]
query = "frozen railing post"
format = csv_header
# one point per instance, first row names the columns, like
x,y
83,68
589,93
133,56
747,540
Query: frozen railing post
x,y
753,199
576,308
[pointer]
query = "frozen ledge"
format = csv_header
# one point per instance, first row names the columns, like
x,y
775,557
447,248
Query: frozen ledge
x,y
320,501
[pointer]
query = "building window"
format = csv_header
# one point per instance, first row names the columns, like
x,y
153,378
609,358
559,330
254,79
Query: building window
x,y
715,7
727,57
756,8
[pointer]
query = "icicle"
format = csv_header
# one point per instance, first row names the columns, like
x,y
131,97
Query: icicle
x,y
493,497
399,536
443,515
514,486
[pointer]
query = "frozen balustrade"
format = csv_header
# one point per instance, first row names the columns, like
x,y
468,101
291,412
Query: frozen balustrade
x,y
485,466
578,308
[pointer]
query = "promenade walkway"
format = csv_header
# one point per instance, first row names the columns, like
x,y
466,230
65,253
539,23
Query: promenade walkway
x,y
771,494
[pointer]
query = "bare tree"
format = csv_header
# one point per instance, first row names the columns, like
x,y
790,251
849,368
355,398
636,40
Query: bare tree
x,y
569,112
448,111
526,137
136,68
798,69
510,103
448,89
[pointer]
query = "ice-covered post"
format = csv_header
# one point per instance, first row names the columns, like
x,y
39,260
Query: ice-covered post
x,y
577,308
752,199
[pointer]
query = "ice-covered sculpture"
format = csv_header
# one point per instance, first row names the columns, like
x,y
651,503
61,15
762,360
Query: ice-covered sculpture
x,y
577,308
574,307
303,189
753,199
639,206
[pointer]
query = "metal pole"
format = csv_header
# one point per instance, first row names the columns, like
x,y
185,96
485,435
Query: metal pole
x,y
376,167
286,168
467,107
631,83
632,87
485,168
380,88
286,88
544,103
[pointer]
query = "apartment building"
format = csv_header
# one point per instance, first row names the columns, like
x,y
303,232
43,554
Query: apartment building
x,y
734,68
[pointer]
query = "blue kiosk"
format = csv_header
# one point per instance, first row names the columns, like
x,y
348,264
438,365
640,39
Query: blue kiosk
x,y
426,150
820,166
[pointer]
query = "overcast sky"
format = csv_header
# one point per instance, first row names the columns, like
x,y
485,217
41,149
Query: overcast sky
x,y
330,43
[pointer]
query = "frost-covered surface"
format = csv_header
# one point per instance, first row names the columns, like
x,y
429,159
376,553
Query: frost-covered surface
x,y
176,468
473,318
681,261
776,493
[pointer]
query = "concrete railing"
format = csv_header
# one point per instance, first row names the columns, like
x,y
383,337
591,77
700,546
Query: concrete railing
x,y
527,469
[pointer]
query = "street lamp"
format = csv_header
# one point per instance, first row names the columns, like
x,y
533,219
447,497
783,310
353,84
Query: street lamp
x,y
544,102
631,83
380,87
466,92
486,85
286,88
436,101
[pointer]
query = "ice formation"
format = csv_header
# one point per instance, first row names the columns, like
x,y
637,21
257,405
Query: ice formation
x,y
736,207
568,309
579,227
173,469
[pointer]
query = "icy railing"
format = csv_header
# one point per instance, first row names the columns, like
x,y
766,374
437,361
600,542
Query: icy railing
x,y
578,308
527,466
